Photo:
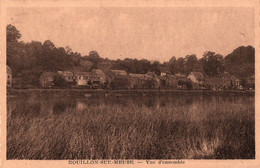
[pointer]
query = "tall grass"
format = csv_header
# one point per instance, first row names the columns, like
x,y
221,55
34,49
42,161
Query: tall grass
x,y
221,131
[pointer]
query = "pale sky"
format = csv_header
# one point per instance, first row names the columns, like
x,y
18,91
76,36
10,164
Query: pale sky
x,y
150,33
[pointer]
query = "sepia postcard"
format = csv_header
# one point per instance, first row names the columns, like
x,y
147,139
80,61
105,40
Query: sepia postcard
x,y
160,83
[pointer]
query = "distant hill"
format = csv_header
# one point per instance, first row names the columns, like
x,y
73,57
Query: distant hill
x,y
241,62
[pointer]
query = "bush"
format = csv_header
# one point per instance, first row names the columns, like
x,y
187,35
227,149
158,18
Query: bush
x,y
120,83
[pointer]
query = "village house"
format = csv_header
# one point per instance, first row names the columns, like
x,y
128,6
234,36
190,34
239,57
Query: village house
x,y
222,81
67,75
8,76
46,79
228,80
138,80
180,77
164,71
196,77
171,81
152,74
98,76
82,78
136,83
144,81
235,81
214,83
119,72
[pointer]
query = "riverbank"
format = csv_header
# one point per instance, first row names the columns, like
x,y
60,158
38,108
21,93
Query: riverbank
x,y
101,92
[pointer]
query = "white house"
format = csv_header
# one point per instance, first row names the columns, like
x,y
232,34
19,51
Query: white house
x,y
196,77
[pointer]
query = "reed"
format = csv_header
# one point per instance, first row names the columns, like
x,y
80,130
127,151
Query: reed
x,y
221,131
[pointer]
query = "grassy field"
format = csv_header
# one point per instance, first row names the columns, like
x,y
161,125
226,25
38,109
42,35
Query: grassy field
x,y
220,131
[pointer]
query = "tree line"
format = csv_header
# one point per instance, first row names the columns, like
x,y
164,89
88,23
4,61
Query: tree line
x,y
29,60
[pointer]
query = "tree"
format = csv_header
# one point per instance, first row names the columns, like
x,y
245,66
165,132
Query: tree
x,y
163,83
244,83
212,63
150,84
241,62
58,81
189,84
155,67
14,50
180,65
145,65
120,83
186,83
12,34
94,57
171,65
48,45
68,50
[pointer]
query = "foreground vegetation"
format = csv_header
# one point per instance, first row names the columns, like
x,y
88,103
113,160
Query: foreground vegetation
x,y
224,130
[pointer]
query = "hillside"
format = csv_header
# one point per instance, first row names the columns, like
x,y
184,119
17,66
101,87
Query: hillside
x,y
241,62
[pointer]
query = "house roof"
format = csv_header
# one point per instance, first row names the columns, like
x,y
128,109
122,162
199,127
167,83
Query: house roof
x,y
98,71
82,73
65,73
118,71
152,74
197,75
180,76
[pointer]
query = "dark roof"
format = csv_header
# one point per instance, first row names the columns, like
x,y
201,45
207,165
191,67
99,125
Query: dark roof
x,y
117,71
82,73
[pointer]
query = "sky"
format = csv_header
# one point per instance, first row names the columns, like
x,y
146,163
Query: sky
x,y
142,33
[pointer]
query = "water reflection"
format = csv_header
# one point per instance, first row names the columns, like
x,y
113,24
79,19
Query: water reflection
x,y
38,106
